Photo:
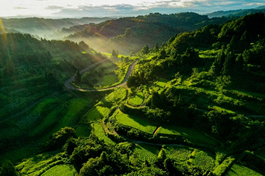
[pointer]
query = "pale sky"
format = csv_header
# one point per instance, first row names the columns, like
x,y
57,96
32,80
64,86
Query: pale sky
x,y
81,8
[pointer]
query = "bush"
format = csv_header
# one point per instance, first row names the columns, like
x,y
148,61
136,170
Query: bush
x,y
224,167
70,146
8,169
58,139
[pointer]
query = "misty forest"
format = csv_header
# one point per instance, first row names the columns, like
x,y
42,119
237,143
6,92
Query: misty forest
x,y
158,94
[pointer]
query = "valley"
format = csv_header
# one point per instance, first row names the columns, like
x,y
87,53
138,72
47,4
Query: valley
x,y
192,104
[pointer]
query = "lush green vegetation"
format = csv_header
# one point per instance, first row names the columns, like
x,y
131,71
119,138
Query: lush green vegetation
x,y
100,133
137,99
147,152
192,106
189,133
58,170
135,122
241,170
130,34
98,112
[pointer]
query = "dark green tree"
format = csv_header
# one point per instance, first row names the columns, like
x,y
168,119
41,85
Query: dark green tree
x,y
239,65
156,47
229,63
145,49
8,169
83,45
162,54
115,53
58,139
132,81
70,146
217,65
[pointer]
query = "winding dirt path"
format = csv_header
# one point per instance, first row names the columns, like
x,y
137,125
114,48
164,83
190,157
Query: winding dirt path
x,y
69,86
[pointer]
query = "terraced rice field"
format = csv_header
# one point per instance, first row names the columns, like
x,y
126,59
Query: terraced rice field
x,y
187,133
135,122
242,171
137,99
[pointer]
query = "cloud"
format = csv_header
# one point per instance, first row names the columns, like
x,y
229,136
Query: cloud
x,y
54,8
20,8
81,8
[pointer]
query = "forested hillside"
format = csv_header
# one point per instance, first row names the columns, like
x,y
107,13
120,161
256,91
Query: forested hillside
x,y
131,33
45,27
31,71
240,12
192,106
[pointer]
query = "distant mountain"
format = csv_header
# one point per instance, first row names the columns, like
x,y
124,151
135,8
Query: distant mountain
x,y
223,13
130,34
46,27
239,12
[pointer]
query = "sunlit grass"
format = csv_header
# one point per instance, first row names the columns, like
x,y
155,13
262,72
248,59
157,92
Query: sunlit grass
x,y
96,113
242,171
223,109
147,152
161,83
179,153
135,122
107,80
137,99
59,117
75,107
99,132
189,133
209,54
38,164
249,94
115,96
59,170
202,160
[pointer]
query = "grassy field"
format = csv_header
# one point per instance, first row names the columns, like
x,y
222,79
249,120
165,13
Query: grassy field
x,y
179,153
202,160
99,132
147,152
107,80
220,109
115,96
103,75
137,99
242,171
189,133
38,164
59,170
96,113
49,120
161,83
74,108
208,53
135,122
42,105
61,118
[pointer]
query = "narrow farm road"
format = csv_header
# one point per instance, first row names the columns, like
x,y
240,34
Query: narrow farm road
x,y
69,86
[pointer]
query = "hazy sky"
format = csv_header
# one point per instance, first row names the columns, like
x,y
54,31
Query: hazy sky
x,y
80,8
